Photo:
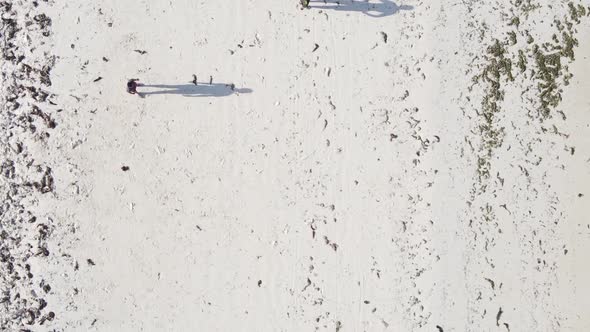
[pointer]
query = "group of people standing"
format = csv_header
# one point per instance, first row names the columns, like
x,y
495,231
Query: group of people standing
x,y
133,83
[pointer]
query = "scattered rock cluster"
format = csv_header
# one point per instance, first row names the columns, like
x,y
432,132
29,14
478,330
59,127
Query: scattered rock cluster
x,y
26,121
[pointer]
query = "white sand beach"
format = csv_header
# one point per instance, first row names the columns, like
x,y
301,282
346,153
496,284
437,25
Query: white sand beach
x,y
351,166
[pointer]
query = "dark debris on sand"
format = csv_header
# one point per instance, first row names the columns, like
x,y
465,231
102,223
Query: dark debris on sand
x,y
27,115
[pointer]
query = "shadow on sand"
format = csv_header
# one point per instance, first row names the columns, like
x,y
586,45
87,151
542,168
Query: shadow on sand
x,y
378,8
191,90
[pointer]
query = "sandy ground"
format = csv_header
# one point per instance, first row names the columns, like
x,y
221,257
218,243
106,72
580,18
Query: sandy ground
x,y
362,166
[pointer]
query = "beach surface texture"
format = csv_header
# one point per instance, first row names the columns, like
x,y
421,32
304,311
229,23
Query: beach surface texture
x,y
366,165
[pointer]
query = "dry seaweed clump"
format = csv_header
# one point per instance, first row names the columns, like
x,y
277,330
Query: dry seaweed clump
x,y
577,12
515,21
544,62
548,71
497,70
548,60
522,61
512,37
539,65
526,5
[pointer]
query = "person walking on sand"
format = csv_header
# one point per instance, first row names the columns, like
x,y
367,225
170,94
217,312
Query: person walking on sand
x,y
132,85
304,3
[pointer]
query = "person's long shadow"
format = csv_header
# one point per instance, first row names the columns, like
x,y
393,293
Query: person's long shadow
x,y
381,8
191,90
